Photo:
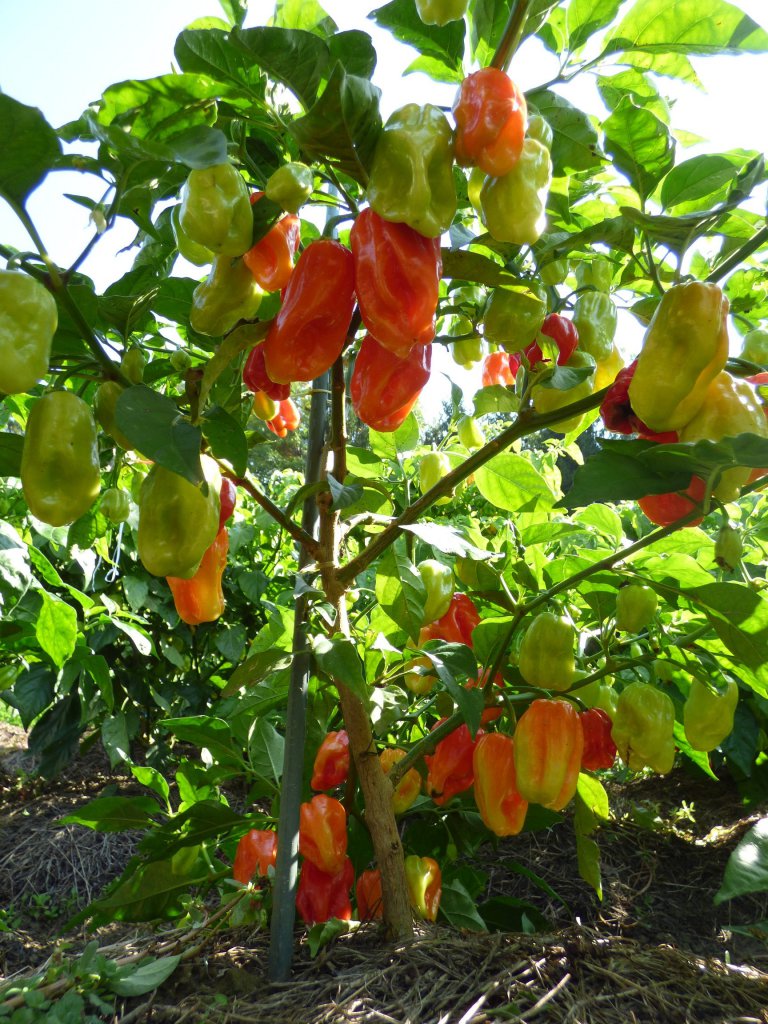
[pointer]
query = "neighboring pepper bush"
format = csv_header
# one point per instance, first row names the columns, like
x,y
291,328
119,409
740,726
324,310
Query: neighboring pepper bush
x,y
501,806
549,743
256,853
287,418
28,321
636,606
384,387
450,768
595,318
513,206
60,471
424,880
256,378
441,12
331,766
216,210
684,349
104,409
643,728
397,278
546,652
368,895
411,179
322,895
708,714
116,505
513,317
439,584
270,260
227,295
290,186
491,116
408,788
323,833
201,598
308,333
599,749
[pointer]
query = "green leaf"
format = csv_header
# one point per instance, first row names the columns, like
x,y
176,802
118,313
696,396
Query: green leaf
x,y
210,52
294,57
304,14
588,858
616,473
114,813
688,26
153,423
114,737
337,656
228,351
15,572
210,733
29,146
591,803
343,495
266,748
226,438
447,539
701,177
354,49
510,914
747,867
322,934
56,628
131,980
11,447
585,17
640,144
495,398
575,146
458,907
511,483
400,589
441,48
640,87
454,664
698,757
205,820
739,616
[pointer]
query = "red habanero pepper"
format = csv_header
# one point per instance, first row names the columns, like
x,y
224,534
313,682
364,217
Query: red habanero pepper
x,y
397,278
287,418
322,895
618,415
501,807
491,117
564,334
227,500
309,331
665,509
368,895
450,767
323,833
331,766
384,386
499,368
255,853
599,748
270,260
456,625
200,598
256,378
549,742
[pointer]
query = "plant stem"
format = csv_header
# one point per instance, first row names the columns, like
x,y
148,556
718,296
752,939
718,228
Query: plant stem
x,y
513,31
299,533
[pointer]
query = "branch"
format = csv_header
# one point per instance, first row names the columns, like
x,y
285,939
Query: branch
x,y
736,258
513,31
300,535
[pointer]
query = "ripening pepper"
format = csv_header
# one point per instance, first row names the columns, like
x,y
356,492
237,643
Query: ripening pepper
x,y
60,472
331,766
728,547
384,387
514,206
290,186
195,253
450,768
498,369
264,407
599,749
608,369
546,652
440,12
596,273
256,853
116,505
554,272
708,715
456,626
755,346
104,409
599,694
595,318
178,520
501,807
180,360
308,333
513,317
227,295
540,130
439,584
417,681
256,378
408,788
368,895
684,350
730,407
323,833
432,468
467,352
665,509
270,260
547,399
643,728
227,500
491,116
200,598
636,607
28,321
133,364
322,895
216,210
397,279
287,418
470,433
565,336
411,180
549,742
424,880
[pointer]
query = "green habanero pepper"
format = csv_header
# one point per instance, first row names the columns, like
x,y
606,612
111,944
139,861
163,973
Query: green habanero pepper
x,y
554,272
116,505
411,180
227,295
178,520
546,653
195,253
132,365
432,468
596,273
540,130
216,210
643,728
467,352
547,399
439,584
513,317
636,606
180,360
441,12
755,346
104,406
60,472
470,433
28,321
514,206
290,186
595,318
728,547
708,715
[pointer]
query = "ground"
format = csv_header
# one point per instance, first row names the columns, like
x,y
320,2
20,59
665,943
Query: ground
x,y
655,950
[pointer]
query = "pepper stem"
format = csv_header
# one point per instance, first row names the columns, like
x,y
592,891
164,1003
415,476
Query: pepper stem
x,y
512,34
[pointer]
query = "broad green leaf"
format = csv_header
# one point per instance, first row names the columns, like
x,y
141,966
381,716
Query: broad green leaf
x,y
153,423
698,757
114,813
510,914
591,804
210,733
343,495
575,146
210,52
266,748
400,589
585,17
747,867
114,736
511,483
294,57
11,447
495,398
205,821
640,87
588,858
56,628
447,539
739,616
454,665
241,339
338,658
640,144
151,778
304,14
321,935
226,438
354,50
133,980
15,571
29,147
441,49
701,177
459,908
688,26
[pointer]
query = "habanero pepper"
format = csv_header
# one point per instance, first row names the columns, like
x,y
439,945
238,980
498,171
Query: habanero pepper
x,y
564,334
270,260
323,833
608,369
501,807
595,318
456,626
729,547
290,186
264,408
513,317
408,788
256,853
28,321
546,652
216,210
256,378
227,295
599,749
514,205
424,880
200,598
104,409
549,742
322,895
432,468
491,116
470,433
643,728
193,252
499,368
331,766
227,500
755,346
287,418
548,399
116,505
441,12
450,768
636,606
439,585
368,895
708,714
384,387
665,509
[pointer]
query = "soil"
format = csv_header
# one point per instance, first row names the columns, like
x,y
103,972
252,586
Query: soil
x,y
655,949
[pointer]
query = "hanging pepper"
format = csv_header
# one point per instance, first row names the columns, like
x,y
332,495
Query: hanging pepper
x,y
424,880
595,318
104,409
28,321
755,346
549,742
331,766
728,547
467,352
216,210
264,407
547,399
554,272
408,788
439,585
599,748
619,416
60,471
596,273
708,714
514,205
256,853
322,895
270,260
287,418
684,349
193,252
540,130
599,694
450,767
256,378
636,606
491,115
441,12
730,408
498,368
564,334
227,295
368,895
411,180
116,505
643,728
546,652
227,500
309,331
384,387
455,627
608,369
470,433
397,278
432,468
133,364
501,807
290,186
665,509
513,317
200,598
178,520
323,833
